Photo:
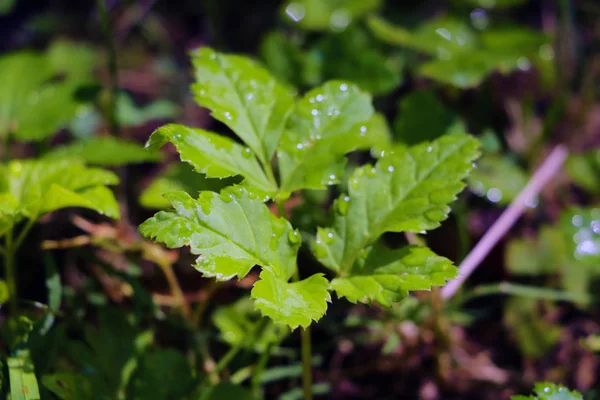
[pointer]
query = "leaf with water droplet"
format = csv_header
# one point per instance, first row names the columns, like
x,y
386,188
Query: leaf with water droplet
x,y
386,276
224,84
327,137
400,200
321,15
214,155
550,391
233,232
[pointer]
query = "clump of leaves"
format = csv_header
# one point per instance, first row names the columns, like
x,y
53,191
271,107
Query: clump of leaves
x,y
300,142
550,391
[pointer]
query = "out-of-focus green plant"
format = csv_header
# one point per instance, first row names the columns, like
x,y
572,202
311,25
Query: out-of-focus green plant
x,y
550,391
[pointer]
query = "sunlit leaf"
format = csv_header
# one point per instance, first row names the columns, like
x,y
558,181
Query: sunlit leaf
x,y
328,122
105,151
234,231
406,191
214,155
33,188
550,391
244,96
386,276
327,14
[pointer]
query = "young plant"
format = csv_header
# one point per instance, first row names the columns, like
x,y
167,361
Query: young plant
x,y
306,137
30,189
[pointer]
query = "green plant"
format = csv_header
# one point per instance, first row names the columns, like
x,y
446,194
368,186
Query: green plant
x,y
300,142
550,391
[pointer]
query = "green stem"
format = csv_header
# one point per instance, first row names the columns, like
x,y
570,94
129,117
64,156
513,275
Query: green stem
x,y
258,371
306,362
9,270
112,66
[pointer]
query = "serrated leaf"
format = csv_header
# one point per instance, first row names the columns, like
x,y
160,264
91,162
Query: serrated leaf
x,y
421,117
328,122
214,155
36,187
105,151
244,96
386,276
180,177
550,391
406,191
233,231
294,304
326,14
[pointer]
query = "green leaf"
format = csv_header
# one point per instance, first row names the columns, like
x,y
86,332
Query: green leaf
x,y
294,304
493,4
327,14
407,190
499,179
29,96
352,55
180,177
550,391
225,391
244,96
69,386
37,187
214,155
329,121
584,170
386,276
284,58
162,375
129,114
581,229
233,231
421,117
463,72
534,256
535,335
105,151
6,6
78,60
240,325
23,383
4,292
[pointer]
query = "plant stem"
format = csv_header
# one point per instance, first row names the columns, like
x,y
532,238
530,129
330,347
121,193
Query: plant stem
x,y
259,369
306,362
112,66
9,270
175,289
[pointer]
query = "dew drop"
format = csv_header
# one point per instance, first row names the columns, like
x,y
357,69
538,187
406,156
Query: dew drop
x,y
494,195
372,172
299,146
329,238
294,237
577,220
315,112
320,97
249,96
390,169
429,149
340,19
247,152
363,130
343,87
227,115
342,204
295,11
